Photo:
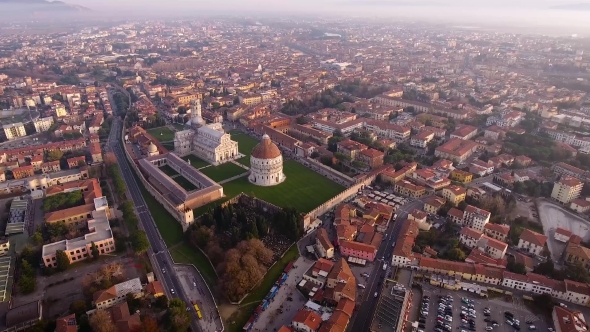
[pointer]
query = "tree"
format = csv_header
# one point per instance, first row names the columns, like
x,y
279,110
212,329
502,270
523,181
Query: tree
x,y
177,317
63,262
28,254
456,254
81,163
140,242
94,250
26,284
577,272
515,267
37,238
149,324
546,268
78,307
53,155
100,321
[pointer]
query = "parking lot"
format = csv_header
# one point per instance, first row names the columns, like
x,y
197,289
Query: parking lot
x,y
497,309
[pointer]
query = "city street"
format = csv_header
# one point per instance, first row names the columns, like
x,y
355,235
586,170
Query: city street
x,y
366,306
160,256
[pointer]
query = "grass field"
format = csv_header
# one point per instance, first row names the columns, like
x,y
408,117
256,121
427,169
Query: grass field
x,y
162,134
184,183
304,190
183,253
168,170
196,162
178,126
223,171
258,293
245,145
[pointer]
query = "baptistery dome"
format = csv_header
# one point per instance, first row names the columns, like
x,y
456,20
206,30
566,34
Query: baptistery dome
x,y
266,164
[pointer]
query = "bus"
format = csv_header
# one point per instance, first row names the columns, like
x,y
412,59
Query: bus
x,y
197,310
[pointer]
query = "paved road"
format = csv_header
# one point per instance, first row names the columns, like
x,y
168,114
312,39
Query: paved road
x,y
160,256
368,303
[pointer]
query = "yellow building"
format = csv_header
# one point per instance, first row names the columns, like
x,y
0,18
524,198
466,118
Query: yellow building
x,y
251,99
566,189
461,176
454,194
433,204
409,189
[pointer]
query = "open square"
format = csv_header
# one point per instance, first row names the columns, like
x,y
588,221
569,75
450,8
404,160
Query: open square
x,y
223,171
162,134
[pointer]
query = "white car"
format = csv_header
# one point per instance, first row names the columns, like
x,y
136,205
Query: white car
x,y
489,328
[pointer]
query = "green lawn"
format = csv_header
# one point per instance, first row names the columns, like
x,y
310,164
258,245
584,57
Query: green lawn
x,y
245,145
263,288
196,162
178,126
183,253
304,189
169,146
184,183
223,171
162,134
168,170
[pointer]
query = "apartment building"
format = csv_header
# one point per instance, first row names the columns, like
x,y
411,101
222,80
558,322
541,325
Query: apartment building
x,y
358,250
475,239
422,139
464,132
461,176
100,235
497,231
14,130
387,130
117,294
373,158
566,189
409,189
580,205
456,149
532,242
23,172
577,254
476,218
323,245
454,194
433,204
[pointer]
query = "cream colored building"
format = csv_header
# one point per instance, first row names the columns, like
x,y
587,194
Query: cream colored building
x,y
43,124
14,130
566,189
266,164
79,249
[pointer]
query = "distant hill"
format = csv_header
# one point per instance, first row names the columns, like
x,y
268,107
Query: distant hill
x,y
19,6
573,6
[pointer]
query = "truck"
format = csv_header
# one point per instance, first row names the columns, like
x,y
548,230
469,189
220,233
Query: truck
x,y
384,266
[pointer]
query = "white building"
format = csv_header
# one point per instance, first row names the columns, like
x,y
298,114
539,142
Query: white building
x,y
43,124
266,164
476,218
14,130
207,141
116,294
532,242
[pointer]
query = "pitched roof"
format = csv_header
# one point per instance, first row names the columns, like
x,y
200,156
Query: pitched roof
x,y
308,318
533,237
502,229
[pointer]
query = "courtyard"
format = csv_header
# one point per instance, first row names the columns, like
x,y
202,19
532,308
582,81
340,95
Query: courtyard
x,y
162,134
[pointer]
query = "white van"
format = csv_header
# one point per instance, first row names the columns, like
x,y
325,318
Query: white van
x,y
361,286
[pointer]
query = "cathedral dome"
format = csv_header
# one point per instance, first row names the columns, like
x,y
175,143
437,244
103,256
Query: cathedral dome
x,y
152,148
266,149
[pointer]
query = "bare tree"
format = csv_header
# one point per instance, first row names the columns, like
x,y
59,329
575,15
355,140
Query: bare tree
x,y
100,321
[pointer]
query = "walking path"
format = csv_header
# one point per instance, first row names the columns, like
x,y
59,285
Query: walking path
x,y
242,166
233,178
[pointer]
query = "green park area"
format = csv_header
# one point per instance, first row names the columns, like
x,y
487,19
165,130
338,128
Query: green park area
x,y
223,171
195,161
182,253
303,189
178,126
245,145
162,134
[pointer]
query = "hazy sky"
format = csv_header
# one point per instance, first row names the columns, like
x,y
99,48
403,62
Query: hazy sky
x,y
518,13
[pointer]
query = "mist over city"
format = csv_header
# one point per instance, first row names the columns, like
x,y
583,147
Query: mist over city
x,y
294,166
